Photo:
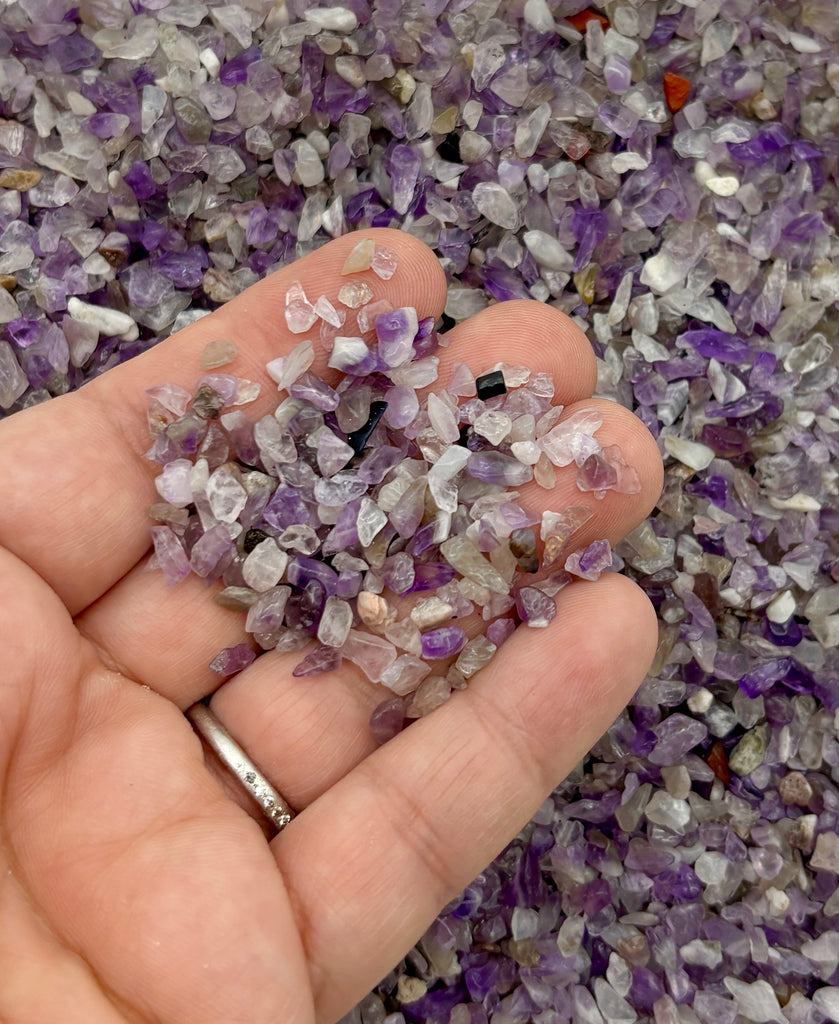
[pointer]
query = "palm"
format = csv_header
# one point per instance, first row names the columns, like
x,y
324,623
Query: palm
x,y
137,886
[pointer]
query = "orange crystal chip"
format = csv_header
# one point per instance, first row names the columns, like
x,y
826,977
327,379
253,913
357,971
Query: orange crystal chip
x,y
676,91
579,21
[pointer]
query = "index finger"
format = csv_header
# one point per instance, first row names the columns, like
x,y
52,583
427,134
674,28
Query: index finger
x,y
76,486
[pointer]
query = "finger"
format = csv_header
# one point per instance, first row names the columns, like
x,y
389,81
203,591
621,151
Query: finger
x,y
188,629
438,802
75,484
528,334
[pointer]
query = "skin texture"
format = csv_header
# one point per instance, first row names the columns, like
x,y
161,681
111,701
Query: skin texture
x,y
135,882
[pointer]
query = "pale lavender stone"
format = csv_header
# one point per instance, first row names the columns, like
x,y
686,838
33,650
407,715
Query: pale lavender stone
x,y
370,653
266,614
339,489
535,608
170,555
374,467
301,569
500,630
589,564
396,331
318,661
173,484
212,552
315,391
286,508
387,719
232,660
402,407
497,468
332,453
676,735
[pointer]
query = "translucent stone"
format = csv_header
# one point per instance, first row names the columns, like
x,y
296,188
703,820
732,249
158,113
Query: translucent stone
x,y
430,612
263,568
475,655
494,426
589,564
466,558
218,353
332,453
442,642
417,374
308,169
335,622
396,331
536,609
327,312
173,484
360,257
170,555
557,527
232,660
405,674
355,293
371,520
443,419
300,538
494,202
384,262
572,440
547,251
430,694
285,370
226,495
333,19
756,1001
267,613
663,809
370,653
300,314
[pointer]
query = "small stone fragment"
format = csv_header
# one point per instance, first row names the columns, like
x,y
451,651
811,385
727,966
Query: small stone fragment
x,y
490,384
523,546
384,262
170,555
360,257
218,353
208,403
300,314
536,609
355,294
232,660
18,179
264,566
431,612
335,622
318,661
357,439
387,719
825,855
477,653
443,642
749,752
795,789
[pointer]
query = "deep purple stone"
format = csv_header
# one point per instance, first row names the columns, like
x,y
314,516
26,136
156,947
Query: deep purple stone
x,y
443,642
430,576
714,344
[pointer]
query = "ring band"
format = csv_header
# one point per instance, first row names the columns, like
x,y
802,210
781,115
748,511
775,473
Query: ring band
x,y
272,805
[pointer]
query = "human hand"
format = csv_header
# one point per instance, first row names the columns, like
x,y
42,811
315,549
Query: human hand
x,y
136,884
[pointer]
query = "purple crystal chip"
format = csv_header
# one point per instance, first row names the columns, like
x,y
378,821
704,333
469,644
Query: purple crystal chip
x,y
232,660
535,607
443,642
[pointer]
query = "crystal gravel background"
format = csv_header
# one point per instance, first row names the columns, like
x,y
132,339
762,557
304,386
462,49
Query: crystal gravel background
x,y
666,172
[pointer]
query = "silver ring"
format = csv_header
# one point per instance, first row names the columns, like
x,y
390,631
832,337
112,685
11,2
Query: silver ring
x,y
272,805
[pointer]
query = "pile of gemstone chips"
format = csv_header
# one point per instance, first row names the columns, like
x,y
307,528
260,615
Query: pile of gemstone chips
x,y
376,517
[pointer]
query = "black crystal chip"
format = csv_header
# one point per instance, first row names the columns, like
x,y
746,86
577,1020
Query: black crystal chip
x,y
465,434
357,439
491,384
252,539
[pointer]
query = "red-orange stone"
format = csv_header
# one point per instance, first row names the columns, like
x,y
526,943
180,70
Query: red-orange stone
x,y
676,90
718,763
579,21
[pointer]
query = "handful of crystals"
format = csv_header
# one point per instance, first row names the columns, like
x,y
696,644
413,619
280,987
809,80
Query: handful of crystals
x,y
369,514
